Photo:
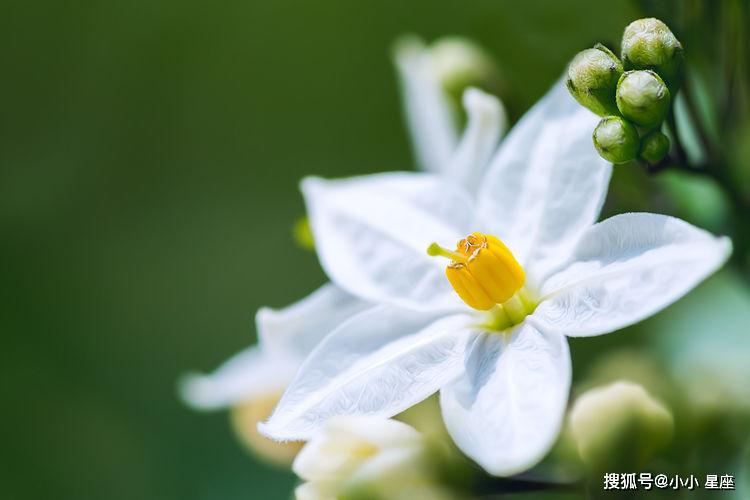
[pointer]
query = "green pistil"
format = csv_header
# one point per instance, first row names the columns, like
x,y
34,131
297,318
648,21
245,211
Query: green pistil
x,y
510,313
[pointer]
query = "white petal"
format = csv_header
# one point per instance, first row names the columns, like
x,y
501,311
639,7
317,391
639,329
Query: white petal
x,y
381,432
316,491
332,451
399,464
372,233
285,336
506,412
486,119
250,373
547,184
626,269
296,329
379,363
397,474
428,111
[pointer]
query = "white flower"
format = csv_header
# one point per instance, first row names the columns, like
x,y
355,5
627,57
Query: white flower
x,y
286,336
503,375
352,453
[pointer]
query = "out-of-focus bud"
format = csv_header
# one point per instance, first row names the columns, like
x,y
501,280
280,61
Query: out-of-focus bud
x,y
619,426
461,63
654,147
649,44
642,98
245,417
302,234
592,79
365,457
616,140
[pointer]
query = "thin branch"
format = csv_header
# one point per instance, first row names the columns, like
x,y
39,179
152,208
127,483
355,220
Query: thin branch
x,y
681,156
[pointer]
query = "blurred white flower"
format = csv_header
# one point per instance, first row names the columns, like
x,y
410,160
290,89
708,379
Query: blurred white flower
x,y
431,75
383,457
503,375
252,381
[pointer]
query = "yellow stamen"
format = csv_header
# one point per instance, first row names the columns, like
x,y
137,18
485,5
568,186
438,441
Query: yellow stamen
x,y
483,272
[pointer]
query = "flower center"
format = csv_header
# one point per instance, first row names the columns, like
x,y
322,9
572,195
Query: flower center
x,y
487,277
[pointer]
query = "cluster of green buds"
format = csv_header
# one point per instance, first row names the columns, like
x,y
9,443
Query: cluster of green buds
x,y
633,93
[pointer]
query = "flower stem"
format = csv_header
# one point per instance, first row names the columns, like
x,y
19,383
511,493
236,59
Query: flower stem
x,y
498,486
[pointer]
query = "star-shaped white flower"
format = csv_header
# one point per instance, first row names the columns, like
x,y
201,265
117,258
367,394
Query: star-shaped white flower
x,y
287,335
503,373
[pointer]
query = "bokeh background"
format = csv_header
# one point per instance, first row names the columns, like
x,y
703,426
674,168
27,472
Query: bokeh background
x,y
149,158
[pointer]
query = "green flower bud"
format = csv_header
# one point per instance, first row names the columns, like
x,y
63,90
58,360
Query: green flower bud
x,y
654,147
592,79
619,426
642,98
649,44
616,140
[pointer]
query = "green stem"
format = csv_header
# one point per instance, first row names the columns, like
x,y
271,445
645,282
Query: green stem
x,y
679,148
692,109
502,486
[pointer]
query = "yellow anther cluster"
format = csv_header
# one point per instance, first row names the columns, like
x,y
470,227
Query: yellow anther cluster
x,y
482,270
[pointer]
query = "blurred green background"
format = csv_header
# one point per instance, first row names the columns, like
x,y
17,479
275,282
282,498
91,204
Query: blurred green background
x,y
149,159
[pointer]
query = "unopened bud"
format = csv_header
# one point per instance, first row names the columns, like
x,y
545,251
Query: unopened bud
x,y
654,147
649,44
643,98
616,140
592,79
619,426
461,63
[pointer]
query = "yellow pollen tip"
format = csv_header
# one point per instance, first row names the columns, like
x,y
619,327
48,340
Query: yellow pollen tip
x,y
483,271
